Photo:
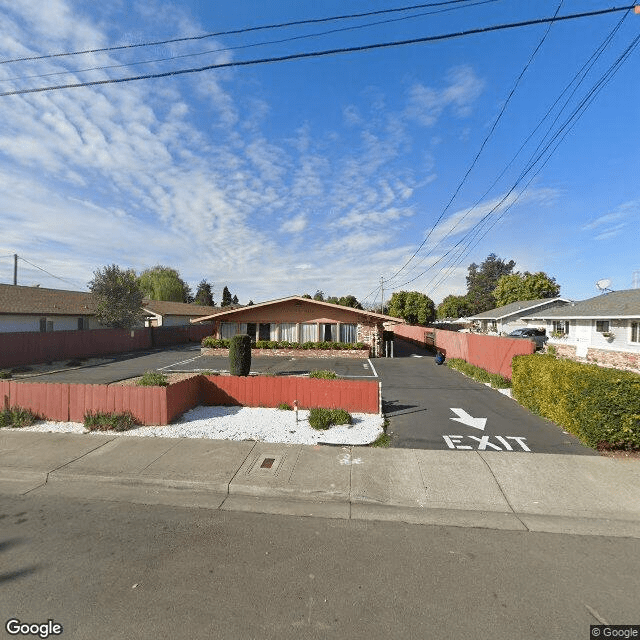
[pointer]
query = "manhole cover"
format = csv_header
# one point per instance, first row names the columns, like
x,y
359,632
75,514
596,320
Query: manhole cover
x,y
267,463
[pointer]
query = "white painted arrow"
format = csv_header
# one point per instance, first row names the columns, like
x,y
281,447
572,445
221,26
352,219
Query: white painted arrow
x,y
465,418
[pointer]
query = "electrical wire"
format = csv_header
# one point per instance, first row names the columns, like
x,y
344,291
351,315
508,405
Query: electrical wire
x,y
246,46
318,54
482,147
233,31
45,271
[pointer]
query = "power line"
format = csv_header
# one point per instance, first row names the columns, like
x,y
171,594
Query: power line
x,y
583,71
234,31
45,271
317,54
247,46
482,146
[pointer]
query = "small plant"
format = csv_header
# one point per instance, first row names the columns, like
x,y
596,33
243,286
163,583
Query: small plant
x,y
214,343
552,351
499,382
323,374
5,375
17,417
100,421
560,335
153,379
609,335
383,441
283,406
321,419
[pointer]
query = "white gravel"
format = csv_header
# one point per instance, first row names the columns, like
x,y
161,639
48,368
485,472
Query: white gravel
x,y
243,423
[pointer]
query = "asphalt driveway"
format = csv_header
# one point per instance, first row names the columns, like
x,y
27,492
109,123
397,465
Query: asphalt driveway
x,y
434,407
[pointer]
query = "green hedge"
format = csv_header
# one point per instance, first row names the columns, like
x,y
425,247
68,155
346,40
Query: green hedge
x,y
212,342
494,379
600,406
240,355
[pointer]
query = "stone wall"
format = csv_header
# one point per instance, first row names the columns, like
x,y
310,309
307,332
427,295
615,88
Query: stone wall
x,y
294,353
602,357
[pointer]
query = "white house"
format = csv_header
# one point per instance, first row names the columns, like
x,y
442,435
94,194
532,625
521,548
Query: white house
x,y
511,316
172,314
604,329
40,309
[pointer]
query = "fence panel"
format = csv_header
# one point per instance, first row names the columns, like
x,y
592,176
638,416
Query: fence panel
x,y
50,401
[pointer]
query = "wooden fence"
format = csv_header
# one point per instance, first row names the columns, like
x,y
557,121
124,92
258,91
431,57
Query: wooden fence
x,y
161,405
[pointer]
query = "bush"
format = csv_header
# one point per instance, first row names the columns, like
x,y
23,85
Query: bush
x,y
494,379
17,417
600,406
99,421
322,419
283,406
5,375
240,355
153,379
323,374
214,343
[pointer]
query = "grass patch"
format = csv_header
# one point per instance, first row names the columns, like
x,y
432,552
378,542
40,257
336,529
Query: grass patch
x,y
17,417
209,373
153,379
323,374
495,380
100,421
5,375
283,406
382,441
322,419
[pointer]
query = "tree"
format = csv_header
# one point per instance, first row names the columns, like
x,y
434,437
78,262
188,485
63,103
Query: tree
x,y
117,297
250,303
204,296
319,296
482,280
306,295
235,300
525,286
413,307
164,283
345,301
453,307
226,297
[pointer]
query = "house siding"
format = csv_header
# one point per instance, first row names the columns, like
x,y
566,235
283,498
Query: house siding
x,y
18,323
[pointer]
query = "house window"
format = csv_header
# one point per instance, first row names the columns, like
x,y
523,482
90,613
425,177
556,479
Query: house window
x,y
348,333
43,324
288,332
602,326
329,332
83,323
227,330
635,332
309,332
561,326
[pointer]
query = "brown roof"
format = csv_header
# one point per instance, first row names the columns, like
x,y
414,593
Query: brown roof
x,y
164,308
41,301
330,305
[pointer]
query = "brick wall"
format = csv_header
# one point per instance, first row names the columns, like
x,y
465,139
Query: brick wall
x,y
602,357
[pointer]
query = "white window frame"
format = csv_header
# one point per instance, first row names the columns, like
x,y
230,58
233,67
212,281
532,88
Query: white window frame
x,y
602,326
637,332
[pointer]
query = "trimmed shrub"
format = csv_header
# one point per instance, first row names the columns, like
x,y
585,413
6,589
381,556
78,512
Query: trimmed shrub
x,y
153,379
283,406
240,355
322,419
600,406
494,379
323,374
17,417
214,343
100,421
5,375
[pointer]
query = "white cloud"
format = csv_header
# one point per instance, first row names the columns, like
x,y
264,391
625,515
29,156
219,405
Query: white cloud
x,y
426,104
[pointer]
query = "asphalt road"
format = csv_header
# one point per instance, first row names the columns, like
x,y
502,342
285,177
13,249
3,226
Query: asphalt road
x,y
419,398
114,570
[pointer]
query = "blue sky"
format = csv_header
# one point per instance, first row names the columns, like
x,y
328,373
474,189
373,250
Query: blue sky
x,y
324,173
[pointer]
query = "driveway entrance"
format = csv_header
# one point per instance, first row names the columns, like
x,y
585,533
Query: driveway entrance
x,y
434,407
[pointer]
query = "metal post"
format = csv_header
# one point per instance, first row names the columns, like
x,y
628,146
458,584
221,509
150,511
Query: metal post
x,y
15,269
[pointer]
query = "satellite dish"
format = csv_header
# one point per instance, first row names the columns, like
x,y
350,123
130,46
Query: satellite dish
x,y
603,284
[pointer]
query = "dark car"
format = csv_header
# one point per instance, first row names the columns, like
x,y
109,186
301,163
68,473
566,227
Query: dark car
x,y
539,336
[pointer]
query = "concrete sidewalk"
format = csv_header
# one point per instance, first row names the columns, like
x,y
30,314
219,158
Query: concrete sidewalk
x,y
516,491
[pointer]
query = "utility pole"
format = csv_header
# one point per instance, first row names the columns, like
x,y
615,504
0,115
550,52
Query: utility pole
x,y
382,295
15,269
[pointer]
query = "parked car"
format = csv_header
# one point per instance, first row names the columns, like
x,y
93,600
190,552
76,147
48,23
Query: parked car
x,y
539,336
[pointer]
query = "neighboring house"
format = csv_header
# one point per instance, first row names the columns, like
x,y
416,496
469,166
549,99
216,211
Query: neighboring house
x,y
40,309
604,329
171,314
297,319
511,316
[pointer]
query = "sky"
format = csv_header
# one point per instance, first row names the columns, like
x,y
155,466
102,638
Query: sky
x,y
398,165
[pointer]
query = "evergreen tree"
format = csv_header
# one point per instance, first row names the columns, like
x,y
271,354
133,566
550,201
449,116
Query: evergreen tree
x,y
226,297
482,280
204,296
235,300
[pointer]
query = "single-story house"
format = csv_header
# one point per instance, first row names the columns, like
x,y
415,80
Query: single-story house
x,y
297,319
171,314
39,309
604,329
511,316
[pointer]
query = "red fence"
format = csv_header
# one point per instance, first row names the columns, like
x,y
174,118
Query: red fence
x,y
492,353
161,405
31,347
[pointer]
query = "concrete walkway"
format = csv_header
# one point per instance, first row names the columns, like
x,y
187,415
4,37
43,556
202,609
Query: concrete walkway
x,y
521,491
